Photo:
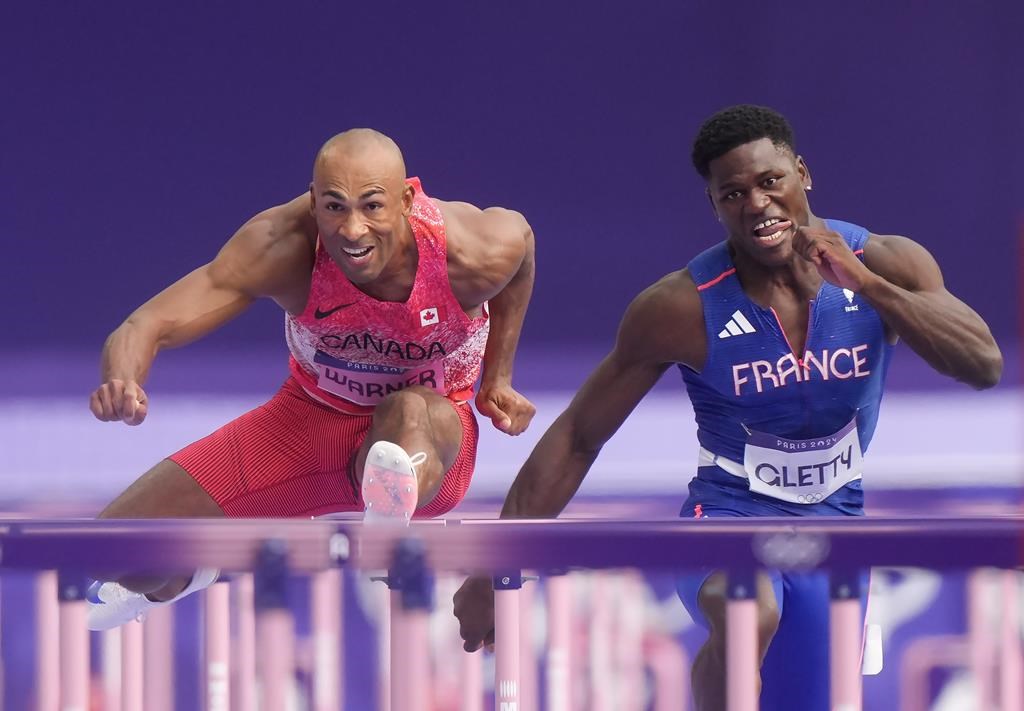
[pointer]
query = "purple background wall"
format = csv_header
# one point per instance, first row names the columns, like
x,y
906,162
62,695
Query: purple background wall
x,y
136,138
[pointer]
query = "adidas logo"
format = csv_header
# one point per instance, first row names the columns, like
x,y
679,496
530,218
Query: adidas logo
x,y
736,326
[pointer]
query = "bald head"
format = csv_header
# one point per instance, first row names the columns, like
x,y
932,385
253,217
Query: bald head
x,y
361,200
369,149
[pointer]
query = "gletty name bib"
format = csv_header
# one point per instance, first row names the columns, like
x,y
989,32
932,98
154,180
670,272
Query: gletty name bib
x,y
368,384
802,471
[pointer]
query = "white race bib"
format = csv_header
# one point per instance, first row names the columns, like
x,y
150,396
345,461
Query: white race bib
x,y
368,384
802,471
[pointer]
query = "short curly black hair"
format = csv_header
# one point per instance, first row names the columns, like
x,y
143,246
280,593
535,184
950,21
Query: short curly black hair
x,y
734,126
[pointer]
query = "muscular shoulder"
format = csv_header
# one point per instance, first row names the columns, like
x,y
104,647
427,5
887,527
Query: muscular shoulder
x,y
485,248
903,262
665,324
272,253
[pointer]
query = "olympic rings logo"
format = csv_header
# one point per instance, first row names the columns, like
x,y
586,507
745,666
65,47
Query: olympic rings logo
x,y
791,549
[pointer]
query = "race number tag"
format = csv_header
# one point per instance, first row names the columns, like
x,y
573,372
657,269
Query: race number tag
x,y
368,384
802,471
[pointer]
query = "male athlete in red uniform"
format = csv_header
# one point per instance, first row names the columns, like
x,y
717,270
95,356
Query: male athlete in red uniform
x,y
393,302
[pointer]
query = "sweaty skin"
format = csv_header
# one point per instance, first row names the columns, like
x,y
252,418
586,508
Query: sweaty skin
x,y
358,197
780,265
358,206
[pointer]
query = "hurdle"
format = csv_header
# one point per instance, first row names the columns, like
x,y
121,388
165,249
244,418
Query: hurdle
x,y
272,550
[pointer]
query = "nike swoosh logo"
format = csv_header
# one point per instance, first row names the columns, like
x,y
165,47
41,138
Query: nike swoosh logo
x,y
324,314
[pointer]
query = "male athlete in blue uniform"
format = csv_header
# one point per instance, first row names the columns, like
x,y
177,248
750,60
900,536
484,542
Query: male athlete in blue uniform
x,y
783,334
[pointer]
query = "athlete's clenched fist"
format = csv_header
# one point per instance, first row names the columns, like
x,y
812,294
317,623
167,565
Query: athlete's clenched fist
x,y
123,400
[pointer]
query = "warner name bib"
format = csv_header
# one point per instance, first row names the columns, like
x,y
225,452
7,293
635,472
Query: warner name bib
x,y
368,384
802,471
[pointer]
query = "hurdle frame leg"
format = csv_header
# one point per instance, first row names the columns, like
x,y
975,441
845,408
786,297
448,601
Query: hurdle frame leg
x,y
602,678
243,670
668,663
132,667
158,686
275,628
1011,662
47,680
217,643
74,642
506,640
846,630
472,677
412,598
557,666
326,590
741,663
979,634
528,687
110,662
630,630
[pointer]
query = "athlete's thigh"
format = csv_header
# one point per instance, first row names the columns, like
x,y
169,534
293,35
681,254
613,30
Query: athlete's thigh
x,y
690,584
264,463
443,425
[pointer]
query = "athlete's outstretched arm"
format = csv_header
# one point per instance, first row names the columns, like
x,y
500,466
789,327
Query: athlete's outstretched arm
x,y
902,281
563,456
662,326
261,259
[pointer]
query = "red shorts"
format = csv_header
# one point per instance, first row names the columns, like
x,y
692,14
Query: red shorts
x,y
295,456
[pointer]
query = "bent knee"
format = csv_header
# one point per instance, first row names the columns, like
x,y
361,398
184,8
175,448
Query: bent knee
x,y
407,402
414,405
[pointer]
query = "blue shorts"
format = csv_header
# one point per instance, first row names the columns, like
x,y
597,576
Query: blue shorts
x,y
795,673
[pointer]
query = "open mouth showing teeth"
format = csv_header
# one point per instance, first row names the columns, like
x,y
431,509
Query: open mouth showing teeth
x,y
771,229
357,252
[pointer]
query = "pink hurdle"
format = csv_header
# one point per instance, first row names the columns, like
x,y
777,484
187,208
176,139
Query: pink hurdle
x,y
993,600
158,659
845,649
506,641
243,670
472,677
602,684
132,651
528,693
920,658
47,642
628,646
741,665
217,638
410,661
614,630
74,645
326,592
979,631
110,655
669,665
559,680
846,634
1011,664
